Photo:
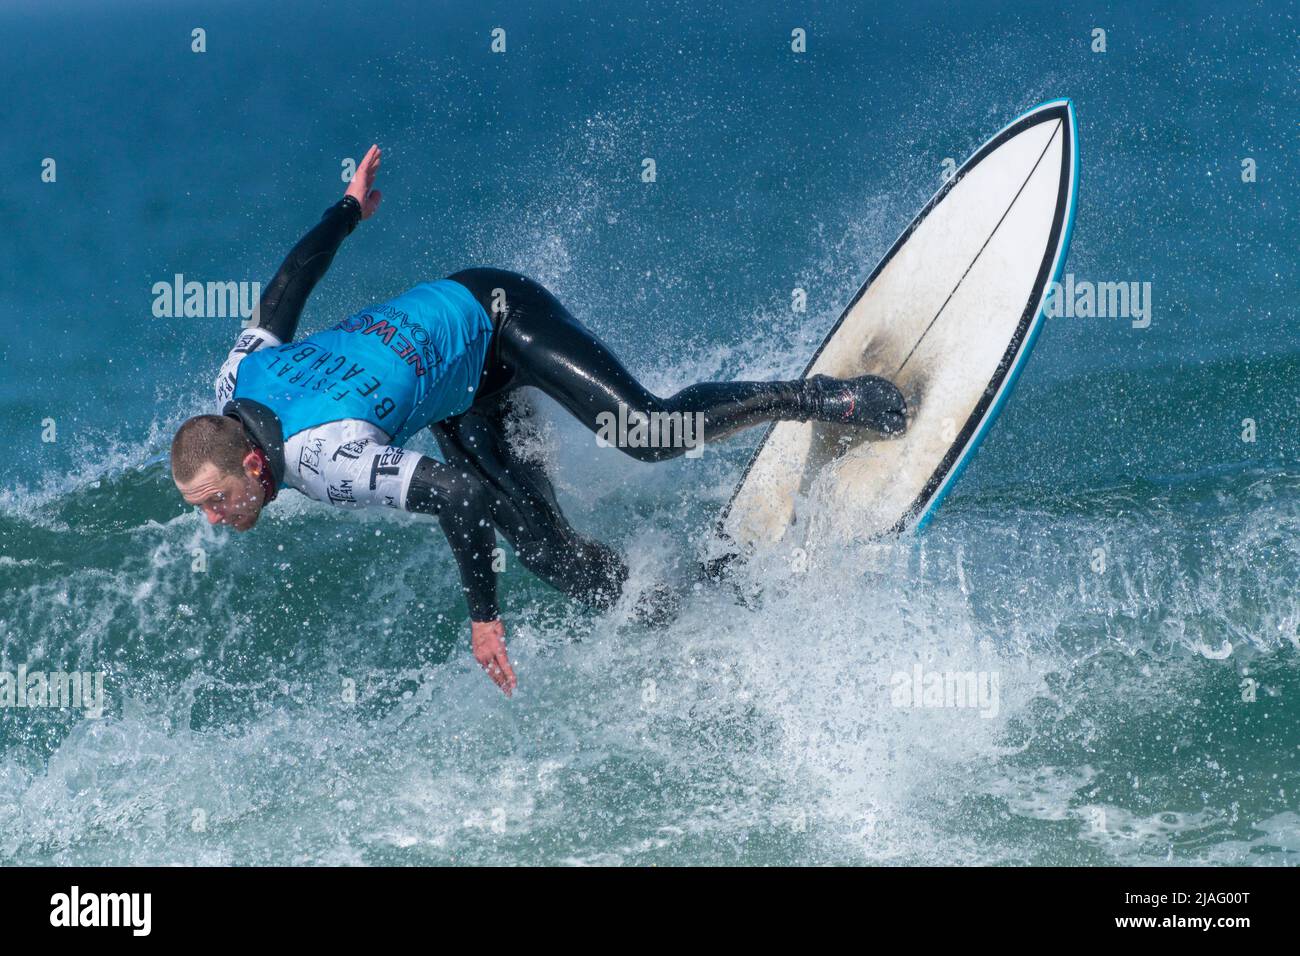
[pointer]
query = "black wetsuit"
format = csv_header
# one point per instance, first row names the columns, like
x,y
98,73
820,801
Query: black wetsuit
x,y
486,482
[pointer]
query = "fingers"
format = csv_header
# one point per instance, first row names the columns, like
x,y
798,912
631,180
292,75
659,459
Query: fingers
x,y
498,668
365,173
363,179
488,641
508,683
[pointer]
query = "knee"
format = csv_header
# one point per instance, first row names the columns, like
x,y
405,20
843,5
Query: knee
x,y
588,572
547,560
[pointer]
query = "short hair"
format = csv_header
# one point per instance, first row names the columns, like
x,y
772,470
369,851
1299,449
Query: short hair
x,y
205,439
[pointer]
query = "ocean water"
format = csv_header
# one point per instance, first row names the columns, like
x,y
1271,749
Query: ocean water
x,y
1121,557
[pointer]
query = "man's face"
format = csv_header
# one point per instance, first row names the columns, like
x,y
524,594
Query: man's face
x,y
234,500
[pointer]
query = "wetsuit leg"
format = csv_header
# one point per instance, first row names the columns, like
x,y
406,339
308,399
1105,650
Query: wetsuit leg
x,y
522,502
539,343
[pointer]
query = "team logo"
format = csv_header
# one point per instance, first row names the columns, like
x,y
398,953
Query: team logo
x,y
309,457
351,449
342,494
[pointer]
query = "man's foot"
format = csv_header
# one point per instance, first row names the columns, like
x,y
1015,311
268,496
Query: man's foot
x,y
867,401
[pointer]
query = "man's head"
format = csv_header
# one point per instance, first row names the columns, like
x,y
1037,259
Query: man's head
x,y
216,467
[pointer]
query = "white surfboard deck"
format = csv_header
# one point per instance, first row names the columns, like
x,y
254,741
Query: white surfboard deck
x,y
950,316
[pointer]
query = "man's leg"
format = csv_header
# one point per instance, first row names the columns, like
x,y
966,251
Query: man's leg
x,y
523,503
538,342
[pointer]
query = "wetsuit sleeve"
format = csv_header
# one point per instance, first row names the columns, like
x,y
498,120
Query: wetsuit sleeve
x,y
285,295
460,502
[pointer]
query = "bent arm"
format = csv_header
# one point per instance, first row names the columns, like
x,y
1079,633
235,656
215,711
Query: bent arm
x,y
285,295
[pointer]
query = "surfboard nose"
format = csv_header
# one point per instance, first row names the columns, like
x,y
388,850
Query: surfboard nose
x,y
950,316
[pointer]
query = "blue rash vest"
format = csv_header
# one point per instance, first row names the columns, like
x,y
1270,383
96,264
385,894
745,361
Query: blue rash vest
x,y
400,365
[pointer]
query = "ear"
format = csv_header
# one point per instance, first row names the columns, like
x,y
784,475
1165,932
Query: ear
x,y
252,465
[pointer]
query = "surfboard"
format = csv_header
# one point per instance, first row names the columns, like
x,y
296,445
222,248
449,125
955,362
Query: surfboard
x,y
950,315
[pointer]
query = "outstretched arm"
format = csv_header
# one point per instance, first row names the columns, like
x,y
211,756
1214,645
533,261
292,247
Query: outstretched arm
x,y
340,464
286,294
460,502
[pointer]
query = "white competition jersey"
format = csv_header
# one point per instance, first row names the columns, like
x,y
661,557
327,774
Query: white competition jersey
x,y
348,462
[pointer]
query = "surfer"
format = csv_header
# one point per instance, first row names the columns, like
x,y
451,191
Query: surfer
x,y
326,415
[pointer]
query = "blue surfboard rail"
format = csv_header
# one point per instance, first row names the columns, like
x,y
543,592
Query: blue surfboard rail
x,y
1014,374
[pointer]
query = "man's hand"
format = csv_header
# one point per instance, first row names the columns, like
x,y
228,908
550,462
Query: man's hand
x,y
489,640
363,180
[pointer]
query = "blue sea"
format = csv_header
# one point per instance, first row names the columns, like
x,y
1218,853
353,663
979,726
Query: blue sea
x,y
1122,555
